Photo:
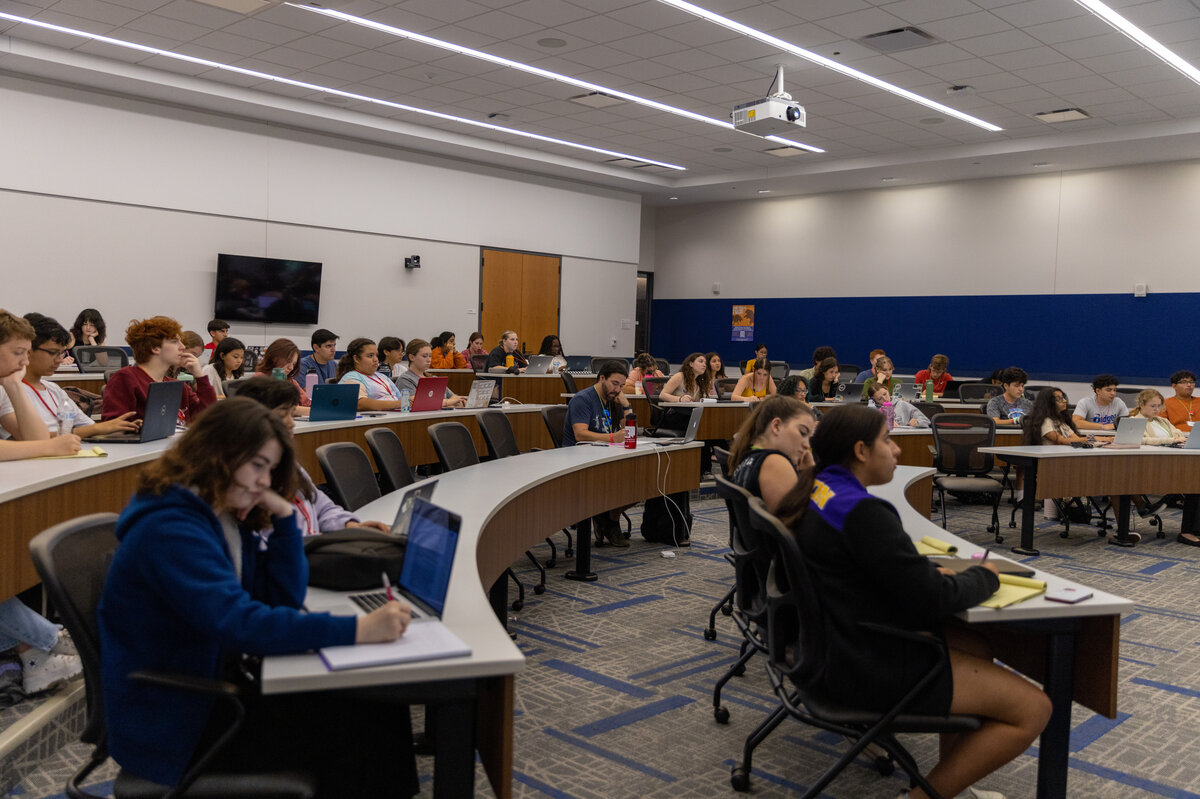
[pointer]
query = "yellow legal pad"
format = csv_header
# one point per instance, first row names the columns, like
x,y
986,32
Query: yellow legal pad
x,y
86,452
935,546
1014,589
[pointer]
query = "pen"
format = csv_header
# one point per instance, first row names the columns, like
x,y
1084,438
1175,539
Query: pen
x,y
387,586
986,552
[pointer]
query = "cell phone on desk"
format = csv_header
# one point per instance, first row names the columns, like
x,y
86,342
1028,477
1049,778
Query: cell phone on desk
x,y
1069,595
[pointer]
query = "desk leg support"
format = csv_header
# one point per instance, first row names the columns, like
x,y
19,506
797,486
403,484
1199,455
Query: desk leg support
x,y
1028,509
498,597
1054,747
454,750
583,554
1122,538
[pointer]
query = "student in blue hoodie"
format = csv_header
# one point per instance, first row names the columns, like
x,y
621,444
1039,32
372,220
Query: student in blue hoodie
x,y
210,568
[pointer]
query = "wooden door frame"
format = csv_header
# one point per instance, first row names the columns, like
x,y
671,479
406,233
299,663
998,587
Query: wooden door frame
x,y
558,298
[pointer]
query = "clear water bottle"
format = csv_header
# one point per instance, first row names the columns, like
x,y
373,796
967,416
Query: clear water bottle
x,y
890,412
405,400
66,423
631,432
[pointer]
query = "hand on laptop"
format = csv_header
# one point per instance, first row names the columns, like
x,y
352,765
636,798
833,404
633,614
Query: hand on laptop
x,y
383,624
121,424
380,526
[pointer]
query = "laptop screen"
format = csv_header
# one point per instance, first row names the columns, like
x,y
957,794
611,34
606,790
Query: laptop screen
x,y
429,554
423,490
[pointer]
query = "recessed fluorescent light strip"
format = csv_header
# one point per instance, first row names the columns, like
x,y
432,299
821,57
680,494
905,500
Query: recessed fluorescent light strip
x,y
1141,37
328,90
821,60
532,70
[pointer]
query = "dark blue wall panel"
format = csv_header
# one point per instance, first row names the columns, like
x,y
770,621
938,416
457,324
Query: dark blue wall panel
x,y
1061,336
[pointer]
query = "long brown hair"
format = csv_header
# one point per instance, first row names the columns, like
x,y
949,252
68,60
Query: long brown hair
x,y
277,354
833,445
346,364
217,442
776,406
695,384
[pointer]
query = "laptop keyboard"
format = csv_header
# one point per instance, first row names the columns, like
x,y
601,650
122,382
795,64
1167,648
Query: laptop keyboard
x,y
371,601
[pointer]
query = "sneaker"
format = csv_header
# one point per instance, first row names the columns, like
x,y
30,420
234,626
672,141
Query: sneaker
x,y
42,670
64,645
611,530
979,793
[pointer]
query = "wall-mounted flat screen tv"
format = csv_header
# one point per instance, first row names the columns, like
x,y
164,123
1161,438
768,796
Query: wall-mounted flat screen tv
x,y
253,289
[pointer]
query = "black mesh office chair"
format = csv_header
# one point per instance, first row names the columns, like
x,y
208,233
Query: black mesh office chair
x,y
725,603
779,370
851,370
978,393
663,364
72,559
600,360
109,372
554,417
796,653
394,471
962,468
930,409
348,474
653,386
456,450
569,382
99,359
249,361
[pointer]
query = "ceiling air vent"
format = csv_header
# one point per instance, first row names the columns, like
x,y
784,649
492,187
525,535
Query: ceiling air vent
x,y
1063,115
894,41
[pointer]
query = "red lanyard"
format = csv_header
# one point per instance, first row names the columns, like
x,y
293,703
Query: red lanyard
x,y
53,411
384,383
308,528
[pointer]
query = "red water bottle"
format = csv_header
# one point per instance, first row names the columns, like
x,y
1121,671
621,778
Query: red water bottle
x,y
631,432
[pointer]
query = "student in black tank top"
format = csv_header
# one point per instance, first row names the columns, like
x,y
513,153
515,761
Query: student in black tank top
x,y
772,447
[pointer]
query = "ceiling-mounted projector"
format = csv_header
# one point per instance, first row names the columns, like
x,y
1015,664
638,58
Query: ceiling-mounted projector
x,y
771,115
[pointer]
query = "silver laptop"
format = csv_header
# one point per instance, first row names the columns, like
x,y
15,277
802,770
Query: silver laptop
x,y
481,393
539,364
1193,440
692,428
422,490
1130,430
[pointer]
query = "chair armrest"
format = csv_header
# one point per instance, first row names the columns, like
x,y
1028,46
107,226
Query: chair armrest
x,y
185,682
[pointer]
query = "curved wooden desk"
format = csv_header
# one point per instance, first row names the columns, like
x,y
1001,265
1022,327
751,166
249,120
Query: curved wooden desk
x,y
1071,649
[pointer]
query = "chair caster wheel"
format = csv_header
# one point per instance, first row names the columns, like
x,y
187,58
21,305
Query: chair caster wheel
x,y
999,538
1161,534
539,589
1064,534
1100,532
517,605
568,553
739,779
721,715
884,765
739,671
727,609
550,564
710,634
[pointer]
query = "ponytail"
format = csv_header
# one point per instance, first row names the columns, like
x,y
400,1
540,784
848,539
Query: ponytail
x,y
346,364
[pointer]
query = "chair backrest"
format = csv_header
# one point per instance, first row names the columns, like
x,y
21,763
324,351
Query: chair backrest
x,y
498,434
751,558
725,387
478,362
653,386
72,559
1031,391
569,381
555,416
957,438
99,359
600,360
390,458
795,646
664,365
230,387
779,369
978,392
1127,394
454,446
722,456
249,361
929,408
348,473
851,370
108,373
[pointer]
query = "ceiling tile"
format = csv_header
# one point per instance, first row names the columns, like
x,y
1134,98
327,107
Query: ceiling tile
x,y
97,11
551,13
263,31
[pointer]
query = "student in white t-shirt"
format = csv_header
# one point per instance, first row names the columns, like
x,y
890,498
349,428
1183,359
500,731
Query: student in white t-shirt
x,y
226,364
47,399
1101,412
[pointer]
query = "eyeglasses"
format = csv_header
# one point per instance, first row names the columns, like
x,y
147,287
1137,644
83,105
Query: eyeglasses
x,y
57,355
1187,380
1060,399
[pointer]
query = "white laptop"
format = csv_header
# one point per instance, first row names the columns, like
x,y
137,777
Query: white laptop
x,y
689,436
1130,430
481,394
539,364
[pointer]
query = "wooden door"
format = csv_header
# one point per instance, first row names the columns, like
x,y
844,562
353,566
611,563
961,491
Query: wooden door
x,y
518,291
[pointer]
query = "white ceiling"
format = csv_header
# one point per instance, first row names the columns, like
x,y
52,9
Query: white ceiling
x,y
1021,57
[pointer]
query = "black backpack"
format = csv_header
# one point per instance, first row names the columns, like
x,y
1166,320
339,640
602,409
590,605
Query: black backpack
x,y
668,520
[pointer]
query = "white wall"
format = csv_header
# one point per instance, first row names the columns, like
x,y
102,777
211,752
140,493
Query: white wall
x,y
599,298
123,205
1084,232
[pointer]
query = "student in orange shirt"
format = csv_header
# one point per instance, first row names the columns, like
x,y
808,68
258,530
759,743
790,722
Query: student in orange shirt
x,y
445,356
1182,410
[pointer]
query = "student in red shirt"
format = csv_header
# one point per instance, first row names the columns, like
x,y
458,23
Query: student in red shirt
x,y
218,329
156,348
937,373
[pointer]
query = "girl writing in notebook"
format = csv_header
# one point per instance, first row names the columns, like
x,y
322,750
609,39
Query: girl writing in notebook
x,y
865,568
211,568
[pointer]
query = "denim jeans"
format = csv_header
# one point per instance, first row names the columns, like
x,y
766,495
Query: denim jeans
x,y
20,625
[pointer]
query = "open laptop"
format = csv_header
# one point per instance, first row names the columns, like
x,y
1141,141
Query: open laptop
x,y
162,411
481,393
1130,430
428,559
539,364
579,363
422,490
689,436
1193,440
336,403
430,393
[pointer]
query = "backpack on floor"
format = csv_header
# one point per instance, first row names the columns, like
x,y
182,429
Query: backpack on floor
x,y
667,520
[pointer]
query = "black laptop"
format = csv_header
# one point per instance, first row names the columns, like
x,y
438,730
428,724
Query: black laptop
x,y
162,412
